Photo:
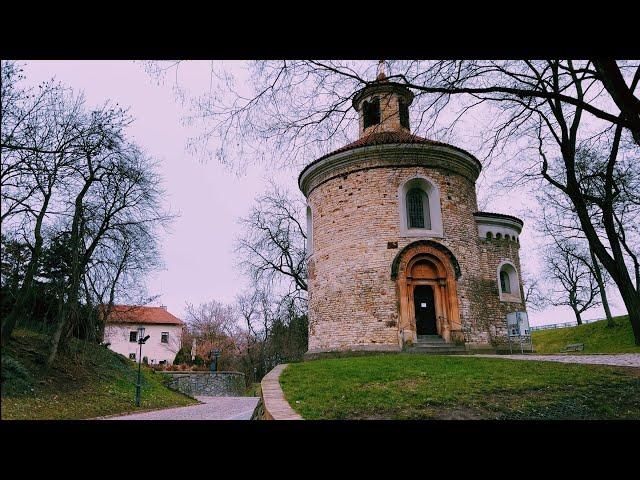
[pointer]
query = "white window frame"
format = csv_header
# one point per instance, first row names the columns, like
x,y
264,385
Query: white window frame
x,y
514,283
430,188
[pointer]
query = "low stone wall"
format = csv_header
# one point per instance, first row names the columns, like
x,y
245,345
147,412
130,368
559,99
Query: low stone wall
x,y
274,405
219,384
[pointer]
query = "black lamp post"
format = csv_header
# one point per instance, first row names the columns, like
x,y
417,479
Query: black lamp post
x,y
141,340
214,360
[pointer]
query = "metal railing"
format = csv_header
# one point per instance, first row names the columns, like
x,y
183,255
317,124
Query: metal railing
x,y
560,325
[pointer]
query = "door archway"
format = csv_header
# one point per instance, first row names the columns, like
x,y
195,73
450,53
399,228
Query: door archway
x,y
425,270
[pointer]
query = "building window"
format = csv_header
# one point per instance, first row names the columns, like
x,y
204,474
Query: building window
x,y
404,113
489,235
504,282
371,112
133,336
509,283
132,356
420,213
164,337
418,209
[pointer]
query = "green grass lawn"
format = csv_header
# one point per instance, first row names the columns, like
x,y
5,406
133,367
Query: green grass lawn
x,y
409,386
597,338
87,381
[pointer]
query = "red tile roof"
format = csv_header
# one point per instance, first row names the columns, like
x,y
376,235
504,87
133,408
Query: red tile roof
x,y
148,315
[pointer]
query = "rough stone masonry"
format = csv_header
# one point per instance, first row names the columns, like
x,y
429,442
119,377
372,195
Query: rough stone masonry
x,y
392,216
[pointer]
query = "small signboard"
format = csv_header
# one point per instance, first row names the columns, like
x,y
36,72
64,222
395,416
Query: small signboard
x,y
518,328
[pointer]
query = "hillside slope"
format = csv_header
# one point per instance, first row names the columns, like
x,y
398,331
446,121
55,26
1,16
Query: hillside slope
x,y
597,338
87,381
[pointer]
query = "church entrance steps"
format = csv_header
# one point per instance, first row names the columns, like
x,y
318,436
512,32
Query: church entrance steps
x,y
430,339
434,344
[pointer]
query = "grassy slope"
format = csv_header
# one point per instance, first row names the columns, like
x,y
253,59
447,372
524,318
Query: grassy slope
x,y
597,338
87,381
444,387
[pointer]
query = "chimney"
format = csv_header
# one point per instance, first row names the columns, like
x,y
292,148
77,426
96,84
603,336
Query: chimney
x,y
164,307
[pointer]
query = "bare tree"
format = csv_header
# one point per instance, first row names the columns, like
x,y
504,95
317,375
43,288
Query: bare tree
x,y
578,287
272,247
71,178
214,326
39,148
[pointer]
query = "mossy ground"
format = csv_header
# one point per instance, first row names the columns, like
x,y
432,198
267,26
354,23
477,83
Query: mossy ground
x,y
87,381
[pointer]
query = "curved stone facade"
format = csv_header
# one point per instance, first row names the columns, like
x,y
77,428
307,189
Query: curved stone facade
x,y
356,302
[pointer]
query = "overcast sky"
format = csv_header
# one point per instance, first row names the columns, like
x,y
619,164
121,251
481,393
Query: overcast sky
x,y
198,252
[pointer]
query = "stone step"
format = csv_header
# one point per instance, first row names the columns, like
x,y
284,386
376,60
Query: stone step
x,y
437,347
440,348
438,351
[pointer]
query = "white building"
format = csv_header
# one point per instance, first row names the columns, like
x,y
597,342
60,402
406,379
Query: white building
x,y
164,330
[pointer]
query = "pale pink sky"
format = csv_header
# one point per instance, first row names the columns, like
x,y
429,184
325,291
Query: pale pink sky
x,y
198,252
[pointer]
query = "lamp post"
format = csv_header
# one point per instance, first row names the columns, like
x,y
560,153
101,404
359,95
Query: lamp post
x,y
141,340
214,360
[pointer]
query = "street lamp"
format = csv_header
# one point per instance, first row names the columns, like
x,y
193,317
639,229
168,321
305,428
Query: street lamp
x,y
214,357
141,340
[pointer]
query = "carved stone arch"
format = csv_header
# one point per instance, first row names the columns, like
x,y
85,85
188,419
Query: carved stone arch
x,y
430,243
428,263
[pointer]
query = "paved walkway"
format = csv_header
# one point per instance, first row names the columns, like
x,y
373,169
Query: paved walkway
x,y
213,408
619,360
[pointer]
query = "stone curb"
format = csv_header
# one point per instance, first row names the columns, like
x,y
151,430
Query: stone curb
x,y
275,405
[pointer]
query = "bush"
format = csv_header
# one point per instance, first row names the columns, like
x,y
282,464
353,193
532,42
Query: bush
x,y
14,376
183,356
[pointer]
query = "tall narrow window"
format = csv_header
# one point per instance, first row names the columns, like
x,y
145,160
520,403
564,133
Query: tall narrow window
x,y
164,337
418,209
505,285
371,112
309,231
404,113
133,336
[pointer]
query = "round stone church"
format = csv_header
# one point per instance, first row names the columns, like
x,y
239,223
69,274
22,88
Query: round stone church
x,y
398,251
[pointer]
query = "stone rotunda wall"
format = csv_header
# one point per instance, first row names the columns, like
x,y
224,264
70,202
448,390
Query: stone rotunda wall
x,y
357,234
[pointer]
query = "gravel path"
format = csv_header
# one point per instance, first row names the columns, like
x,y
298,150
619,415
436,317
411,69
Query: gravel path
x,y
213,408
619,360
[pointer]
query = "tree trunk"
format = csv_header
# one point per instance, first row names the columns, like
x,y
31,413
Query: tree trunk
x,y
631,300
578,318
25,294
603,292
69,313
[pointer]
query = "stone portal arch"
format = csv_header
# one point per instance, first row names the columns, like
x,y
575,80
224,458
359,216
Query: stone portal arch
x,y
423,263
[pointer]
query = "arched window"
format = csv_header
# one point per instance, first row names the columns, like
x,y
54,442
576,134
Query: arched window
x,y
498,236
505,285
507,237
371,112
420,214
489,235
418,209
509,284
